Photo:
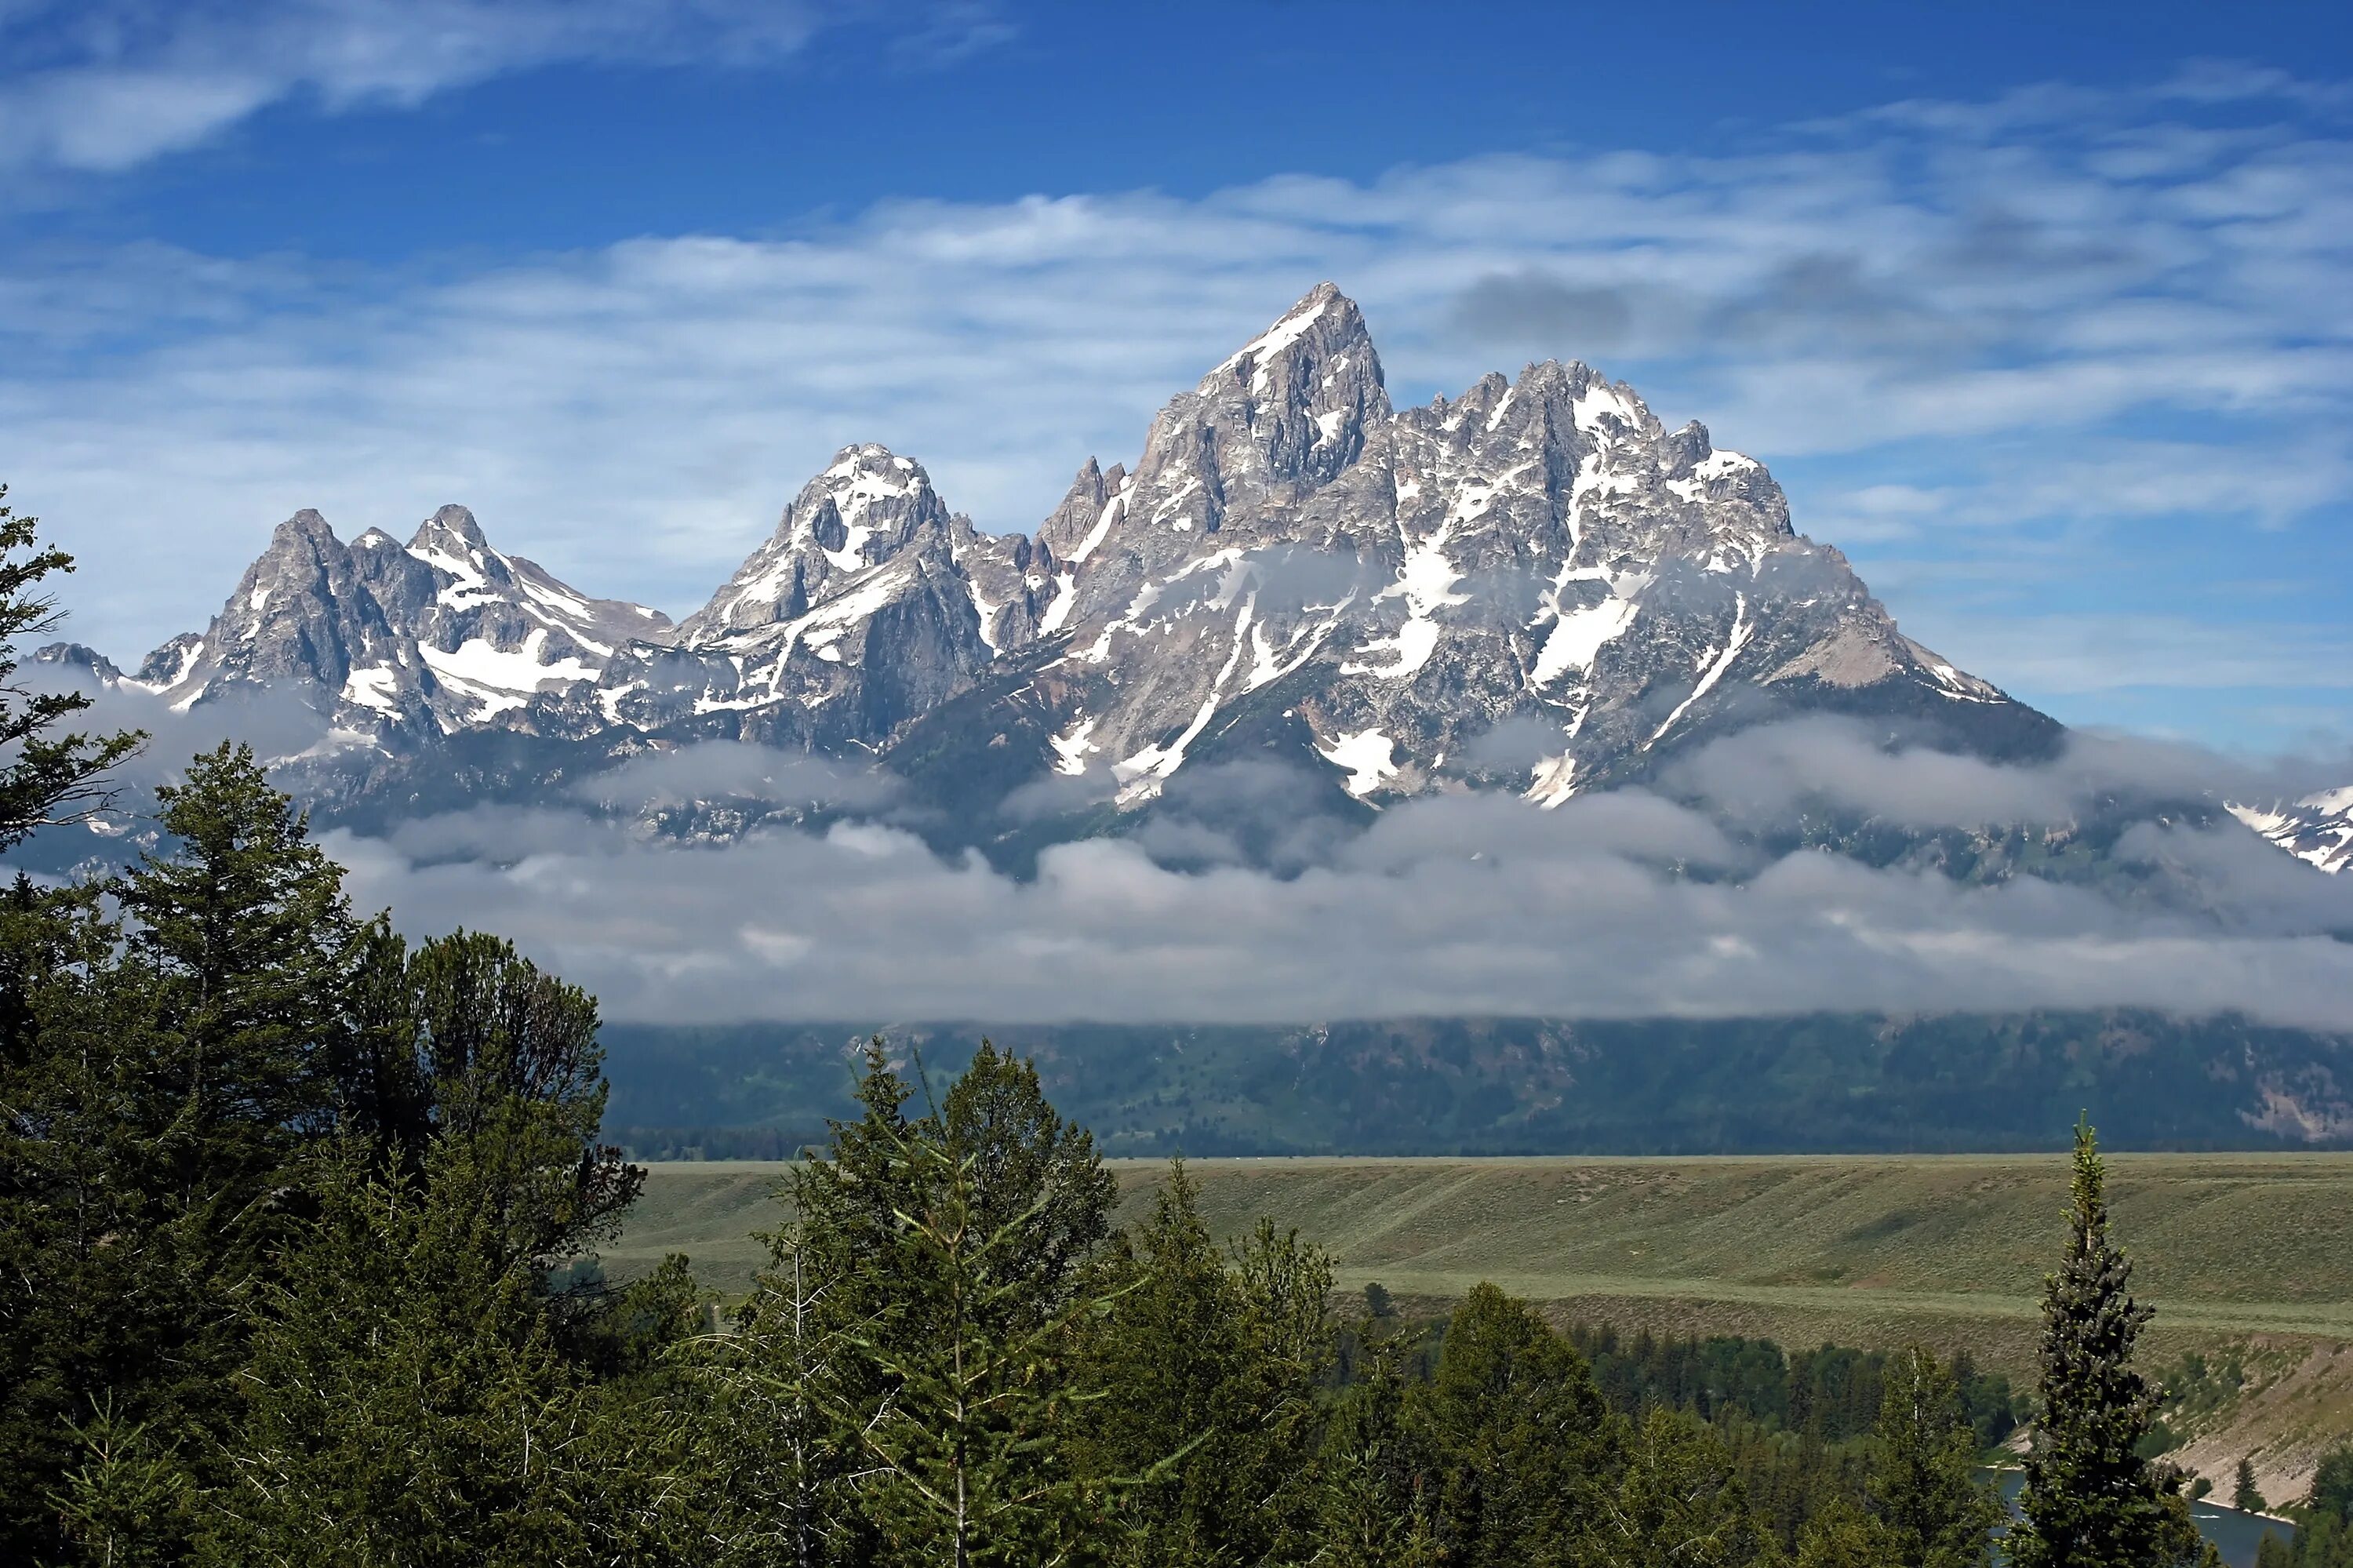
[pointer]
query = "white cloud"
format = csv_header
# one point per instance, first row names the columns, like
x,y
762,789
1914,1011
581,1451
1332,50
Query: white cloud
x,y
1446,906
103,85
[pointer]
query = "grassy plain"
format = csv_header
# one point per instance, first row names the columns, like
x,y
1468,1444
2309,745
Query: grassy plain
x,y
2244,1255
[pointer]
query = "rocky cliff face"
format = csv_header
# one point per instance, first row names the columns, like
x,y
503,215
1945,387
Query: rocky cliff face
x,y
1535,587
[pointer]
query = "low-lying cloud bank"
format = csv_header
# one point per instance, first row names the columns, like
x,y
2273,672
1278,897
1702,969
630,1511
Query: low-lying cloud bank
x,y
1239,900
1619,905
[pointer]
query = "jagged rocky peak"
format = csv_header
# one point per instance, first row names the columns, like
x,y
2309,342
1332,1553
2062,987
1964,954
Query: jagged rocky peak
x,y
1539,554
866,505
510,598
88,662
435,635
1282,415
1070,528
870,603
1014,580
1292,568
169,664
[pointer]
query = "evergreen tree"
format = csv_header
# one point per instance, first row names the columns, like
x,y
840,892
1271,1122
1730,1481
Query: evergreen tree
x,y
1032,1171
513,1066
2332,1485
1173,1360
958,1254
98,1277
1206,1369
2244,1495
2090,1500
1842,1535
965,1448
409,1401
1371,1508
128,1503
47,778
1518,1434
1936,1513
244,919
161,1081
1680,1502
779,1461
412,1377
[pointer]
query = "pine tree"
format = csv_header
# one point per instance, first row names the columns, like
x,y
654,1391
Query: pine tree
x,y
48,779
1936,1513
163,1077
965,1449
780,1460
1842,1535
405,1399
99,1278
2090,1500
1680,1502
958,1251
128,1503
2332,1485
1208,1372
412,1375
1035,1175
1518,1434
511,1061
1371,1508
246,925
2244,1495
1172,1357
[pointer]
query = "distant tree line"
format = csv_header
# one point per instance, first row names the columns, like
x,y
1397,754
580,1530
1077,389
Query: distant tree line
x,y
298,1224
1831,1394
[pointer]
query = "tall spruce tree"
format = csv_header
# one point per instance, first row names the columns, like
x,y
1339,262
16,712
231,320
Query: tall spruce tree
x,y
1208,1369
2091,1501
1372,1508
1681,1502
1519,1436
109,1322
413,1375
1938,1513
959,1252
164,1076
1842,1535
246,925
778,1459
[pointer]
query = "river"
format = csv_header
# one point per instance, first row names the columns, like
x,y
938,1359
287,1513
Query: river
x,y
2236,1535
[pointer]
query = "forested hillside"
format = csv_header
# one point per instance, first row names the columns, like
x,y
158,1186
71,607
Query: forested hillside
x,y
1843,1083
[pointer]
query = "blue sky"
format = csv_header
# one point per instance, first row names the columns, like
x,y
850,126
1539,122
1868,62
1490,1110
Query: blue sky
x,y
2044,314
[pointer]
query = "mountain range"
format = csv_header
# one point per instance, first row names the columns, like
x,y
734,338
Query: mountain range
x,y
1536,586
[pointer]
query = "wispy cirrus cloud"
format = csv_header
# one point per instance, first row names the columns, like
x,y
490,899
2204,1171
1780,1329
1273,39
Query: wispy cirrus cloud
x,y
105,85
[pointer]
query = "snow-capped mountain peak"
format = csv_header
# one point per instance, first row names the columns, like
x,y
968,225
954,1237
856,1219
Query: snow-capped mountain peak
x,y
1535,586
439,634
